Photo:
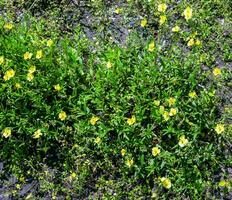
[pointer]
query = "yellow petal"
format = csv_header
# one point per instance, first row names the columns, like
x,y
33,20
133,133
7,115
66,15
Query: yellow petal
x,y
188,13
131,120
144,22
155,151
162,7
162,20
217,71
176,29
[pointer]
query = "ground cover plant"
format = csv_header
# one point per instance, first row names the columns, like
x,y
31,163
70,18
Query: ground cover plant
x,y
141,115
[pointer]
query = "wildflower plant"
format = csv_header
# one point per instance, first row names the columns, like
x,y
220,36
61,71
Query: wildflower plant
x,y
111,116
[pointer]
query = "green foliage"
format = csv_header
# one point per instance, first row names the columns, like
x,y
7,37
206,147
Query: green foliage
x,y
90,100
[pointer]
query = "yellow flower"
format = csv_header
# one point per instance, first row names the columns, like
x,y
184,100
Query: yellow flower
x,y
6,77
129,163
176,29
57,87
6,132
171,101
94,120
32,69
30,76
166,182
18,86
191,42
188,12
18,186
154,195
143,22
219,128
21,179
155,151
108,64
194,34
192,94
8,26
166,116
54,196
123,152
29,196
97,140
49,43
163,19
156,102
1,60
118,10
62,115
223,183
183,141
9,74
173,112
73,175
131,120
216,71
39,54
37,134
161,110
190,123
162,7
198,42
151,46
27,56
